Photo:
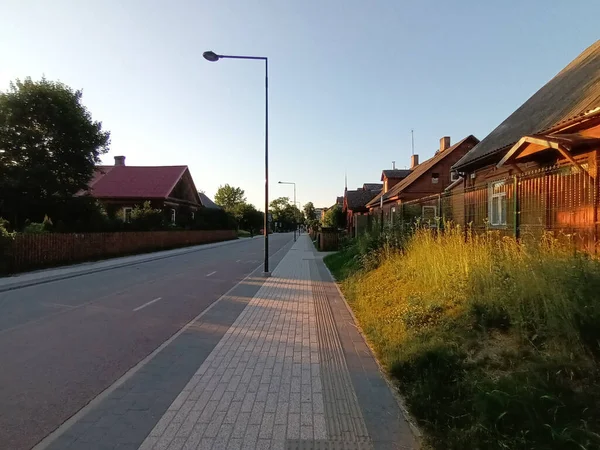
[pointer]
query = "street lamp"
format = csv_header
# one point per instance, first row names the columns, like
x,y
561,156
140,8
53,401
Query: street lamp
x,y
295,225
213,57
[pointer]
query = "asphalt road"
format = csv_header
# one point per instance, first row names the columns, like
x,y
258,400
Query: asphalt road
x,y
64,342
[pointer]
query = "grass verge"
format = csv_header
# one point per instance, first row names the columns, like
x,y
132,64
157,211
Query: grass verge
x,y
494,345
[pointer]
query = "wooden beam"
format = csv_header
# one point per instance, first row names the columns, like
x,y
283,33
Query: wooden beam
x,y
568,156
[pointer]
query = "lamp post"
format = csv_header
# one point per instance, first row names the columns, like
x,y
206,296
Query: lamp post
x,y
213,57
295,225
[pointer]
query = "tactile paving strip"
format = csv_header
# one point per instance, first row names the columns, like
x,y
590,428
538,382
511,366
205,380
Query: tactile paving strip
x,y
326,445
343,417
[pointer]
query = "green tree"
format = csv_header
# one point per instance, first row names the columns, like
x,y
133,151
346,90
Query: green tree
x,y
334,217
49,146
309,211
249,218
284,213
229,197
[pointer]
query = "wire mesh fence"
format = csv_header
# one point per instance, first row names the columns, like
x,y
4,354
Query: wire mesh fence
x,y
560,200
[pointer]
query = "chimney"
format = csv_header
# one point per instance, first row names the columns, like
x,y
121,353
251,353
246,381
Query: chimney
x,y
414,161
393,165
119,160
444,143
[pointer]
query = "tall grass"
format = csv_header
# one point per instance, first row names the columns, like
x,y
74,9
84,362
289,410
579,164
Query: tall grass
x,y
494,344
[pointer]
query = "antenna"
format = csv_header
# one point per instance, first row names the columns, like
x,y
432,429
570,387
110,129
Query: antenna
x,y
412,138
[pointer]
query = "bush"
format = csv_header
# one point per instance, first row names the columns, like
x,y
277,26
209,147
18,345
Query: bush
x,y
38,228
6,239
146,218
493,344
213,219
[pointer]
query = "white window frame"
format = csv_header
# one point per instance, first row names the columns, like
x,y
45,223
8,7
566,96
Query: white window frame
x,y
434,179
173,215
454,176
127,209
495,200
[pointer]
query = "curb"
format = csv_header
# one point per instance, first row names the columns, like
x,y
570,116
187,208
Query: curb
x,y
50,278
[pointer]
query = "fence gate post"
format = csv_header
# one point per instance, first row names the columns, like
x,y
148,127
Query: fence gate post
x,y
440,212
516,212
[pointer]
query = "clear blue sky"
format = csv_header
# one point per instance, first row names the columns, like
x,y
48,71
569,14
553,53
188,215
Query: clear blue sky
x,y
348,78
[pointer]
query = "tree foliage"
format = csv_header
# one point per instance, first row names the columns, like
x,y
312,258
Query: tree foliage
x,y
285,214
249,218
49,146
309,211
334,217
229,197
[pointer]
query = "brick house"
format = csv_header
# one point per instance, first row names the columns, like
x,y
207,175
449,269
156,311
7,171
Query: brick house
x,y
430,177
538,170
171,188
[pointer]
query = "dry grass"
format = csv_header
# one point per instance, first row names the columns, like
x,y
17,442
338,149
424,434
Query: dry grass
x,y
495,344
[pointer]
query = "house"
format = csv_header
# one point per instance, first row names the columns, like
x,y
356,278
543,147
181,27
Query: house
x,y
355,207
430,177
538,170
170,188
390,179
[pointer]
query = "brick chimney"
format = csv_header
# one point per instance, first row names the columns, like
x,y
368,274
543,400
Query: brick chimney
x,y
414,161
444,143
119,160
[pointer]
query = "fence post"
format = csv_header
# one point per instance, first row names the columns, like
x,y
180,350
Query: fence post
x,y
516,212
441,213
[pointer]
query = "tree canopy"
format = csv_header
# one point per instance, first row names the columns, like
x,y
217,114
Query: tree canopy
x,y
309,211
249,218
284,213
49,146
334,217
230,197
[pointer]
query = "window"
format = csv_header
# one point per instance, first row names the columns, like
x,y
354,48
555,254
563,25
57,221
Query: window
x,y
127,214
454,175
193,215
435,178
429,213
497,204
172,216
392,214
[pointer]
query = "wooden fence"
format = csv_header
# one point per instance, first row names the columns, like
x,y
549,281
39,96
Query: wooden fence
x,y
33,251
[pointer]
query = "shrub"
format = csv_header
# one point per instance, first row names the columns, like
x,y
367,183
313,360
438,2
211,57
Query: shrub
x,y
38,228
213,219
6,239
147,218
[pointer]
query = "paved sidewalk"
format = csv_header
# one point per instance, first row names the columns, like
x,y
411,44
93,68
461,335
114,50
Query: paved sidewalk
x,y
291,372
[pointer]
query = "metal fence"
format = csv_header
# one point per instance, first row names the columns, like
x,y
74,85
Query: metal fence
x,y
561,200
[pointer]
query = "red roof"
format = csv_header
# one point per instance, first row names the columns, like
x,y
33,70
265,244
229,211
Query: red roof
x,y
135,182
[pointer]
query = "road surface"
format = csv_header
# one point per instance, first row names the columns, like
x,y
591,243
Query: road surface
x,y
64,342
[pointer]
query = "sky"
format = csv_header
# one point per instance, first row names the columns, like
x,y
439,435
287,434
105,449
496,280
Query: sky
x,y
348,79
